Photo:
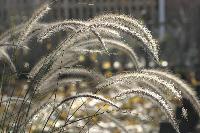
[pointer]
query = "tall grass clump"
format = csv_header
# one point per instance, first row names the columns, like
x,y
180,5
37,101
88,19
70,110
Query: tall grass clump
x,y
102,104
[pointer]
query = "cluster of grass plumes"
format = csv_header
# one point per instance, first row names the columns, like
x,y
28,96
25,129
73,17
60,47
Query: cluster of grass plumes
x,y
41,107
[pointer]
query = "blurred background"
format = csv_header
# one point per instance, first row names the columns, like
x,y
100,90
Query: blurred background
x,y
174,23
